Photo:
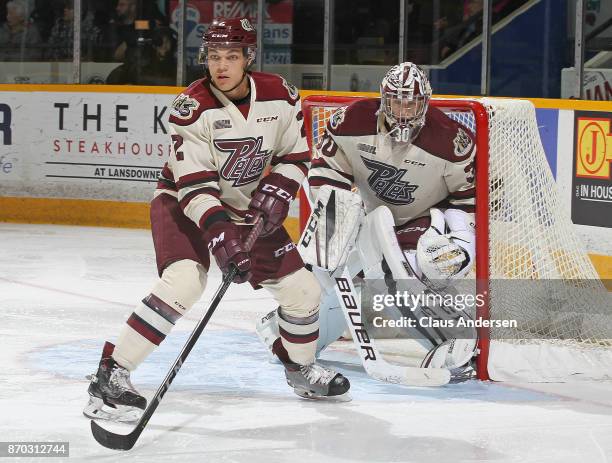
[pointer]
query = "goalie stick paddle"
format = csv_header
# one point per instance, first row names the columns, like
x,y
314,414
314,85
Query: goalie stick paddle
x,y
373,362
126,441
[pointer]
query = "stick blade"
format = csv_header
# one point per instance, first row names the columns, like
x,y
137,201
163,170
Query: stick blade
x,y
114,441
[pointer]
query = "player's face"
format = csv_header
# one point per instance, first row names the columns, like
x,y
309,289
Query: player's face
x,y
405,110
226,67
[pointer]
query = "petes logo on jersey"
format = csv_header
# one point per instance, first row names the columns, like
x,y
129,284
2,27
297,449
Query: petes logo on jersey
x,y
292,89
385,182
184,106
463,143
246,161
337,117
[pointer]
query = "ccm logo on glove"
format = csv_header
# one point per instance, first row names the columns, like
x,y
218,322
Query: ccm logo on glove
x,y
215,241
277,191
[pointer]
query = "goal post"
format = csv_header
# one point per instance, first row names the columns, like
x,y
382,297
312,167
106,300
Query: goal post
x,y
529,263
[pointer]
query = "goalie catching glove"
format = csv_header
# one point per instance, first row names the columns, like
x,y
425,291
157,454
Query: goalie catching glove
x,y
272,198
446,250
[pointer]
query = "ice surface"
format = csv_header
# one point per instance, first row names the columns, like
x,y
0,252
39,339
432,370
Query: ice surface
x,y
64,290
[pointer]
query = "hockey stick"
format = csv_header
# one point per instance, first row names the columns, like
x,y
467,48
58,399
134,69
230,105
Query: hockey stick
x,y
126,441
373,362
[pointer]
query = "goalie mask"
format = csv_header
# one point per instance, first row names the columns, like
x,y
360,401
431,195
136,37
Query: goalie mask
x,y
229,33
404,97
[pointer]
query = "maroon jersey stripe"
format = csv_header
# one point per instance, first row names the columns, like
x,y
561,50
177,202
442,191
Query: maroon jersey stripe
x,y
213,210
196,178
200,191
320,181
322,164
471,193
291,158
238,212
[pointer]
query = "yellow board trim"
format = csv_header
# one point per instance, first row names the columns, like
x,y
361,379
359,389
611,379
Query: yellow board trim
x,y
89,212
549,103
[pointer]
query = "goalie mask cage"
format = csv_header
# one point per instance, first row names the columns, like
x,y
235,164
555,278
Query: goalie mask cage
x,y
530,266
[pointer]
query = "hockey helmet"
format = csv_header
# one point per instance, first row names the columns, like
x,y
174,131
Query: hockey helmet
x,y
229,33
404,97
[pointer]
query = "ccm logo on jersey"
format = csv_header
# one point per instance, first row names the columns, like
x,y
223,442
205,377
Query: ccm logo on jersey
x,y
277,191
216,240
267,119
284,250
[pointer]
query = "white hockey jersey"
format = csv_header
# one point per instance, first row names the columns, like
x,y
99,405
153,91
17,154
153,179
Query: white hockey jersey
x,y
219,156
436,170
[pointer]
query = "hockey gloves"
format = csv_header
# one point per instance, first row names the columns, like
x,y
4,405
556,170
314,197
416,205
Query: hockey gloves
x,y
225,243
272,198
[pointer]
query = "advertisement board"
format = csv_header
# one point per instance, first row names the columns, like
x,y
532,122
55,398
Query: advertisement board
x,y
278,25
592,177
83,145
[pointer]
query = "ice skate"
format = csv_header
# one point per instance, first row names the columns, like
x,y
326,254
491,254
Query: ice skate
x,y
316,381
312,381
111,394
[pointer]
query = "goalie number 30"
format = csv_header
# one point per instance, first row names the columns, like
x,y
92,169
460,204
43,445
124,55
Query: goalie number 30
x,y
402,135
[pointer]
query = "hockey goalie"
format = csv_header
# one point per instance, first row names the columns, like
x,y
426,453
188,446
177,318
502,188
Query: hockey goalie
x,y
408,224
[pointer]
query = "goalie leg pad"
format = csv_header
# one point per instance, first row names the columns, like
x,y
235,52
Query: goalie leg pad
x,y
331,228
298,296
178,289
377,241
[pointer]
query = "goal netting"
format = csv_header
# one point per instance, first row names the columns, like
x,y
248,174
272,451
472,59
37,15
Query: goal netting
x,y
530,266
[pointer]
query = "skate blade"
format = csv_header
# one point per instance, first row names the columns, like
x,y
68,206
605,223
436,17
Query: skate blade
x,y
346,397
96,409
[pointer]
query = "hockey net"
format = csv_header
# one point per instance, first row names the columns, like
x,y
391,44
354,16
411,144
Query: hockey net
x,y
530,265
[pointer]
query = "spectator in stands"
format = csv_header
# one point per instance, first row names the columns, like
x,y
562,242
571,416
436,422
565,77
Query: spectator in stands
x,y
123,32
19,40
62,35
152,63
470,25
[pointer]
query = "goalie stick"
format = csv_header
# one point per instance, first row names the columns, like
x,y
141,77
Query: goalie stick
x,y
126,441
373,362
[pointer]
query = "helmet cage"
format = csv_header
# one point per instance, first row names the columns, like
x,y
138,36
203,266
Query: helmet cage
x,y
405,93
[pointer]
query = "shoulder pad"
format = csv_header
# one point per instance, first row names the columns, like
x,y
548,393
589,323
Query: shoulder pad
x,y
358,118
192,102
445,138
271,87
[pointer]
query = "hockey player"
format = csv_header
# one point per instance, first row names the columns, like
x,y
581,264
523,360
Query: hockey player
x,y
411,159
227,130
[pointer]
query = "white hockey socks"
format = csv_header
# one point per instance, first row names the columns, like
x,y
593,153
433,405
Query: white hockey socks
x,y
180,286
